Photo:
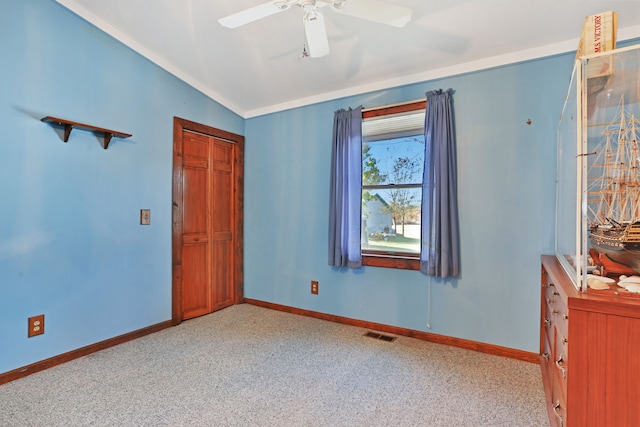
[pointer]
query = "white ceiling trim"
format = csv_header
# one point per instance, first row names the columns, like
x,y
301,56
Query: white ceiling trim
x,y
485,63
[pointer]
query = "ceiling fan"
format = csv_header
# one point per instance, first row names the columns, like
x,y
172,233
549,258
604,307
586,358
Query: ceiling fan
x,y
317,43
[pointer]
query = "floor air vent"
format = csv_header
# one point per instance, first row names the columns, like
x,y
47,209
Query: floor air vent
x,y
378,336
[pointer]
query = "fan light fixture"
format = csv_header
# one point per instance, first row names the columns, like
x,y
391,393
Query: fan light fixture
x,y
316,34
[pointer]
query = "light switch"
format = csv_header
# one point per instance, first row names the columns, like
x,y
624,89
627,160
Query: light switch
x,y
145,216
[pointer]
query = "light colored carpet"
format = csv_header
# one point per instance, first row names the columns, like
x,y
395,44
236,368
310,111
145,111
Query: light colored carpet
x,y
251,366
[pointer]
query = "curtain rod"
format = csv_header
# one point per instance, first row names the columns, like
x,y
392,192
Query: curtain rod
x,y
393,105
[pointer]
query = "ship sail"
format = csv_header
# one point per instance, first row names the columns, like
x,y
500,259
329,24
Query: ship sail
x,y
614,193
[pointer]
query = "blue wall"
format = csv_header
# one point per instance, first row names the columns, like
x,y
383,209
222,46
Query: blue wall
x,y
71,246
506,171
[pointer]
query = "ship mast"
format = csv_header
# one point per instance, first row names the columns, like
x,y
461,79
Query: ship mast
x,y
633,170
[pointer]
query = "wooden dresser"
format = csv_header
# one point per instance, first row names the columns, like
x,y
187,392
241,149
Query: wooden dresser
x,y
589,354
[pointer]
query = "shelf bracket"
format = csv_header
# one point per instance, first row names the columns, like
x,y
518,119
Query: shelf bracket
x,y
69,126
67,131
107,139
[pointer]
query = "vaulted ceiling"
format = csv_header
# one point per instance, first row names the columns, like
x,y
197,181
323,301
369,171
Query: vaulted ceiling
x,y
259,68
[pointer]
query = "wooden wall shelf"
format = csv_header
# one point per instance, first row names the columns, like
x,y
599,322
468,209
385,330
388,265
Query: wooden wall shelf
x,y
69,126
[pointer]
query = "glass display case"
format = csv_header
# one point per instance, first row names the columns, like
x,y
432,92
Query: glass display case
x,y
598,175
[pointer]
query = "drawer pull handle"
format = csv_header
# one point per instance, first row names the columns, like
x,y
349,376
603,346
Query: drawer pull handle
x,y
556,411
549,301
560,365
551,285
565,341
545,356
565,316
547,321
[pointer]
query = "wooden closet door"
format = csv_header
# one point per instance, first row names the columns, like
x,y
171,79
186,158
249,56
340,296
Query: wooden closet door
x,y
207,224
197,185
222,220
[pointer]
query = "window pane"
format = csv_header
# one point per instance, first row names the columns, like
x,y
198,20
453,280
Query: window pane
x,y
391,219
393,161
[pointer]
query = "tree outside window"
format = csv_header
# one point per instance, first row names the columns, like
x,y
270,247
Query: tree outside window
x,y
392,194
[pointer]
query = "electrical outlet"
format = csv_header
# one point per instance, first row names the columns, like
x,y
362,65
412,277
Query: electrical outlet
x,y
314,287
36,326
145,216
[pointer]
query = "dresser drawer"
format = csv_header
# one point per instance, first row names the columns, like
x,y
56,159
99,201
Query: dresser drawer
x,y
550,291
548,320
548,359
560,362
559,416
561,315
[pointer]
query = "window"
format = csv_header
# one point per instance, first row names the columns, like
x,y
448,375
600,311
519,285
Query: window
x,y
392,169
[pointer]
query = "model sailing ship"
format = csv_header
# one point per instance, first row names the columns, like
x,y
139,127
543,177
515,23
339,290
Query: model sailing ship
x,y
614,196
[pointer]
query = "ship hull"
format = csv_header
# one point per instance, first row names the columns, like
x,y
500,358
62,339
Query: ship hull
x,y
620,244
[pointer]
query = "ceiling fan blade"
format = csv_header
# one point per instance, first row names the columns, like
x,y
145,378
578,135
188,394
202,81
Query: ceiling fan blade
x,y
316,34
254,13
376,11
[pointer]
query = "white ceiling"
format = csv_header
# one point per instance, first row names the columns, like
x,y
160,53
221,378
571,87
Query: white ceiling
x,y
257,69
